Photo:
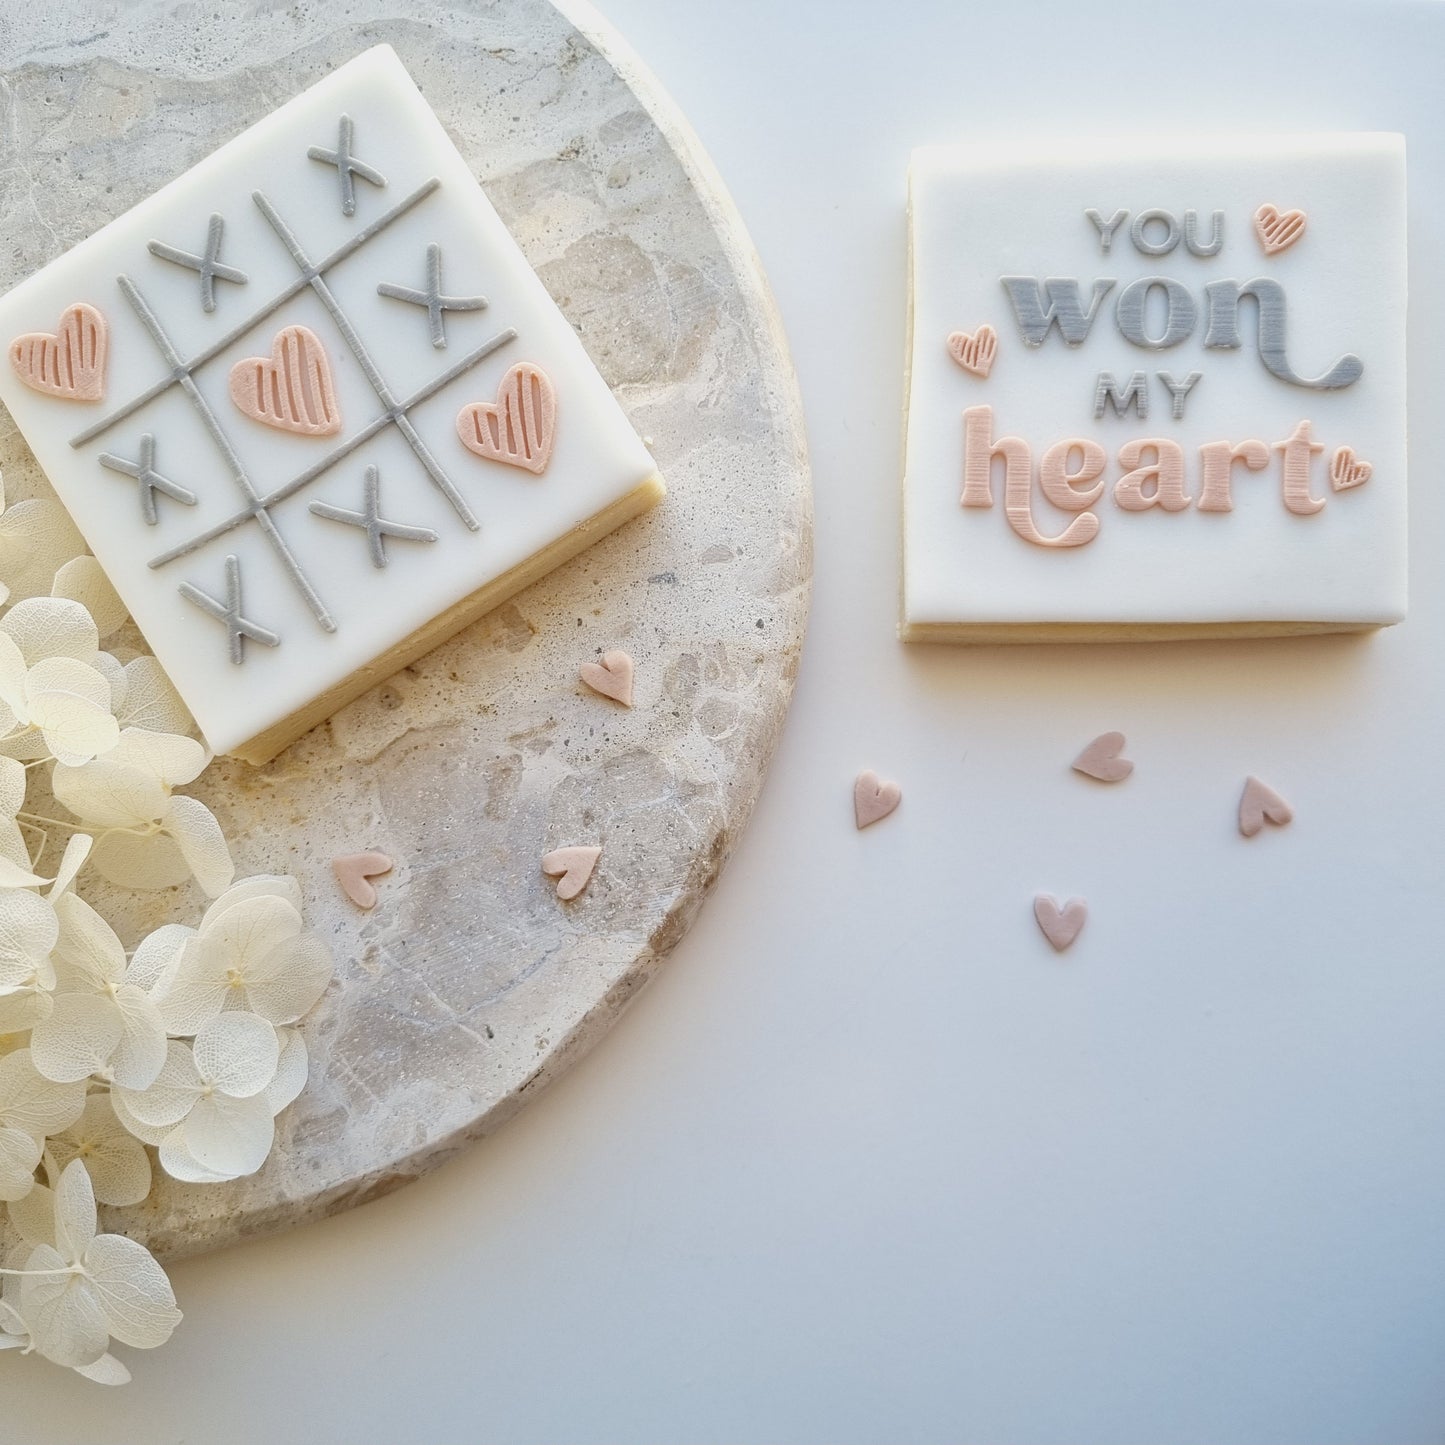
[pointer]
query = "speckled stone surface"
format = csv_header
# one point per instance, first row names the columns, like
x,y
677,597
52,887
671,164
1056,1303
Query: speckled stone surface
x,y
470,985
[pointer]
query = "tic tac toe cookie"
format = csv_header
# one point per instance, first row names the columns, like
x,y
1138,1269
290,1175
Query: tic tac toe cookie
x,y
312,410
1156,389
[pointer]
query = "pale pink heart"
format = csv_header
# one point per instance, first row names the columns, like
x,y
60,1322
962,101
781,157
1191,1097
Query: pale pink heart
x,y
1260,804
1101,759
612,677
518,428
354,871
874,799
1278,230
68,362
1060,925
974,351
1347,470
573,867
291,389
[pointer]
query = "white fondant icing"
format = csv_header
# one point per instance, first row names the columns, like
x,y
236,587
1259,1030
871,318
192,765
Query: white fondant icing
x,y
596,459
981,213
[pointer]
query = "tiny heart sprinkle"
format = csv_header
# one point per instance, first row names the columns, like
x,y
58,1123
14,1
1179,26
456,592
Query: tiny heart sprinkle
x,y
612,677
354,872
1260,804
1278,230
873,799
1347,470
974,351
1101,759
1060,925
572,867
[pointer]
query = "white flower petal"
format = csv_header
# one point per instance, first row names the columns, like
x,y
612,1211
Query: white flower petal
x,y
109,667
133,861
288,982
13,779
291,1070
146,1133
19,1154
230,1136
66,675
76,729
151,702
168,757
192,824
133,1290
34,1216
14,876
77,850
78,1038
119,1168
171,1097
141,1052
156,954
36,537
107,1370
238,1054
83,580
245,930
28,931
13,670
31,1102
67,1324
195,989
109,792
177,1161
23,1006
259,885
44,627
74,1212
87,952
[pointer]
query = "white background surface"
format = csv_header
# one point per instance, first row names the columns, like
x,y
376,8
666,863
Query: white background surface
x,y
869,1162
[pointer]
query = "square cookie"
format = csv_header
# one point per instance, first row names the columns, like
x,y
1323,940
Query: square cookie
x,y
1156,389
312,410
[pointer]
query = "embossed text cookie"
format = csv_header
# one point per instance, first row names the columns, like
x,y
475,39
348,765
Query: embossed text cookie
x,y
312,409
1195,426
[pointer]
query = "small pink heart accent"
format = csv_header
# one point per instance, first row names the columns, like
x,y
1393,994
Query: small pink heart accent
x,y
873,799
1259,805
1060,925
290,389
69,362
518,428
574,868
1101,759
1278,230
1347,470
612,677
354,871
974,351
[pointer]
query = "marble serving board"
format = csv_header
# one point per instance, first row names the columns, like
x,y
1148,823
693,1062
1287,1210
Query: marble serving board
x,y
470,985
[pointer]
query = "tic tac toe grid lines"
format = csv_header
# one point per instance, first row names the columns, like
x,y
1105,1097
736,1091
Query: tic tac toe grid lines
x,y
255,502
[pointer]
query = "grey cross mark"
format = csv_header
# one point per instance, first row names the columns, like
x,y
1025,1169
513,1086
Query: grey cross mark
x,y
432,298
208,263
347,166
148,480
377,527
238,627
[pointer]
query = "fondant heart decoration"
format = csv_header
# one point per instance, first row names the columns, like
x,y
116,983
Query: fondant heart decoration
x,y
612,677
1060,925
1101,759
290,389
573,867
873,799
1260,804
518,427
1278,230
68,362
354,871
974,351
1347,470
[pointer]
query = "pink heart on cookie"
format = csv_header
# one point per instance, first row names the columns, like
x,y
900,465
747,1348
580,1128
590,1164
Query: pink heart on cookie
x,y
974,351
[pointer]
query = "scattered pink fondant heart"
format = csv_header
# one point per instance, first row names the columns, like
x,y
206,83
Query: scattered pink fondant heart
x,y
354,871
1347,470
612,677
1101,759
572,867
1060,925
974,351
1278,230
68,362
873,799
1260,804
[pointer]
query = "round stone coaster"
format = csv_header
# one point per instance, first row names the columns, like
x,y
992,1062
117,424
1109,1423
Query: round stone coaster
x,y
471,985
